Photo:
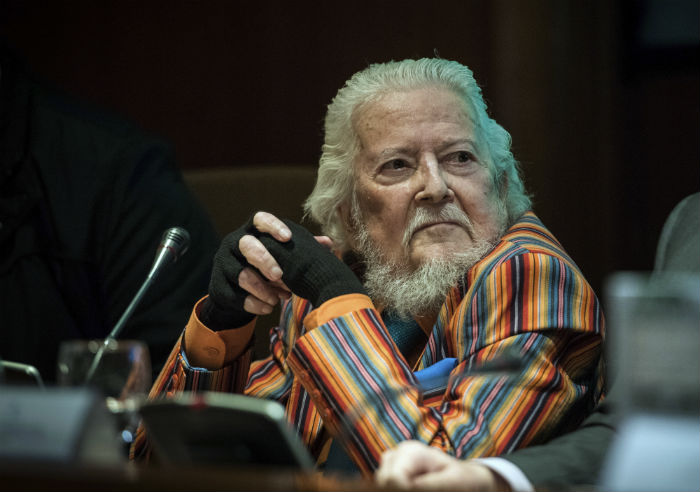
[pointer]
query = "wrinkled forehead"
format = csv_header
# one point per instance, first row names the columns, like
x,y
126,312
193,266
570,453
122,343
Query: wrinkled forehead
x,y
383,112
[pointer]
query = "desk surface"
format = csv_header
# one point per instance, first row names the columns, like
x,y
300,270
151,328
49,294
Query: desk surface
x,y
26,476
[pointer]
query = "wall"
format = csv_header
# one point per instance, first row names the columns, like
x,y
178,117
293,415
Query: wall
x,y
604,116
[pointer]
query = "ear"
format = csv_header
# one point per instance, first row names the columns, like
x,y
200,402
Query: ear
x,y
346,219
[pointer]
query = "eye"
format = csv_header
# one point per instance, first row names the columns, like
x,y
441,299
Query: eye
x,y
463,156
395,165
461,159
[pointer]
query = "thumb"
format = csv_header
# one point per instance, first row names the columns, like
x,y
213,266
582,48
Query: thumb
x,y
324,241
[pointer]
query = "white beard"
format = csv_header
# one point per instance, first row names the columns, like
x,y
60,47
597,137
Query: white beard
x,y
408,291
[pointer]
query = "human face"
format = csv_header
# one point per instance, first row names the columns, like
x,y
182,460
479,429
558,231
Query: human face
x,y
419,153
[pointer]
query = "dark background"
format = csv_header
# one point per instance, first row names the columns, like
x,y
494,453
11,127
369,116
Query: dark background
x,y
601,97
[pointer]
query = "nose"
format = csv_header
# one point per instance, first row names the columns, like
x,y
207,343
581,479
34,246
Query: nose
x,y
433,187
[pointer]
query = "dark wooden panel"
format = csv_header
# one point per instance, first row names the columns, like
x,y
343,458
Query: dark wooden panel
x,y
606,126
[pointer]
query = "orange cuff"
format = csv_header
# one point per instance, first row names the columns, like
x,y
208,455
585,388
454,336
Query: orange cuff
x,y
336,307
213,350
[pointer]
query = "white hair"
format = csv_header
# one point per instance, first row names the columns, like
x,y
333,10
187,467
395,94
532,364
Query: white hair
x,y
335,181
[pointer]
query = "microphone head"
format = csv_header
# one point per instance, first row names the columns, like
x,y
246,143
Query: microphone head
x,y
176,240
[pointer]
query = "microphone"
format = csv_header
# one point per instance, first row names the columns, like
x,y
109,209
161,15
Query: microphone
x,y
173,245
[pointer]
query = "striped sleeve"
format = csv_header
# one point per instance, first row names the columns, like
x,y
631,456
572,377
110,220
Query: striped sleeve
x,y
178,376
532,304
267,378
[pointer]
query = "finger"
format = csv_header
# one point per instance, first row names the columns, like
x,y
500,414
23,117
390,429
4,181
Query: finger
x,y
459,475
324,241
258,256
389,476
441,480
254,305
410,459
393,471
266,222
251,281
283,292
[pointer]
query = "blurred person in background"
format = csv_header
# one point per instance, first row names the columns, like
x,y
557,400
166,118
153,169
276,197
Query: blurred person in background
x,y
85,198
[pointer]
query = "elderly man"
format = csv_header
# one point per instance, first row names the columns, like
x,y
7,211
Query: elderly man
x,y
575,459
432,266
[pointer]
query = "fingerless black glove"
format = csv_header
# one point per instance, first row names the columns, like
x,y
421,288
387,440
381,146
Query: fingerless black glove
x,y
223,309
309,269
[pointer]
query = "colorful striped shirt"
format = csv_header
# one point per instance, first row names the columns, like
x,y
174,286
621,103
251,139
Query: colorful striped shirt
x,y
345,377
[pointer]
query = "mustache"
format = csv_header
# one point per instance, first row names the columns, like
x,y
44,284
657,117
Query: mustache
x,y
425,216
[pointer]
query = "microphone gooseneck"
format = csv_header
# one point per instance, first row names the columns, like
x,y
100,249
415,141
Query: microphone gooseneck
x,y
173,245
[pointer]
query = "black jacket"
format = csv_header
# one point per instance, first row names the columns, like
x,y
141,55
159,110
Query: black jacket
x,y
84,200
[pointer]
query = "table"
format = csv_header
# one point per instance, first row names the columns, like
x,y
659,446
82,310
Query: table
x,y
54,477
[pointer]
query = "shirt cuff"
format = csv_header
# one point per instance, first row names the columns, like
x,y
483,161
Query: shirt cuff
x,y
509,472
210,349
335,308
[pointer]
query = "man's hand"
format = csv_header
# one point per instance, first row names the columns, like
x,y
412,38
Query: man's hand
x,y
309,269
414,465
246,278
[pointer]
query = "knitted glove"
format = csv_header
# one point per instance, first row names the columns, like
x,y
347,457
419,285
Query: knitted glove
x,y
309,269
223,309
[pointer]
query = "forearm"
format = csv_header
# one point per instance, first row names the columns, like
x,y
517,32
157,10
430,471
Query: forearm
x,y
368,396
365,389
213,350
350,367
177,376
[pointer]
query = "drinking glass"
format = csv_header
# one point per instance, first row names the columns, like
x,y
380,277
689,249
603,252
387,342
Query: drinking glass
x,y
119,369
